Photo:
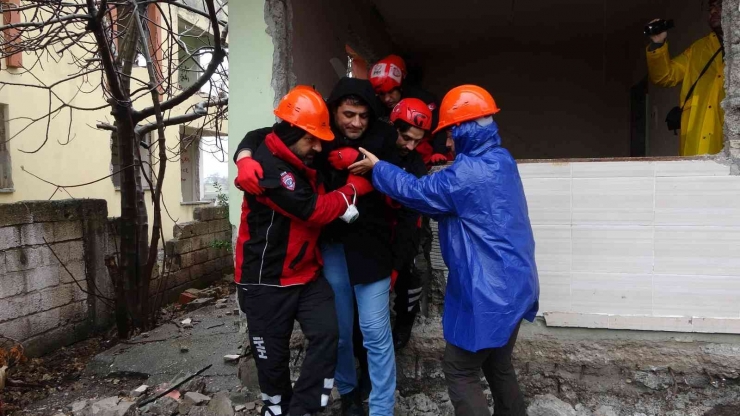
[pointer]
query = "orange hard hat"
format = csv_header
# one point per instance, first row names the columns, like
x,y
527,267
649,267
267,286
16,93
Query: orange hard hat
x,y
388,73
303,107
465,103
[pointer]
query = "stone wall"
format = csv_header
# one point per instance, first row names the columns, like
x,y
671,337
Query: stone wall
x,y
199,254
51,256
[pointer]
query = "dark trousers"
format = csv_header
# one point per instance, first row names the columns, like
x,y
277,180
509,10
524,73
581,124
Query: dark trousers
x,y
408,293
462,373
271,312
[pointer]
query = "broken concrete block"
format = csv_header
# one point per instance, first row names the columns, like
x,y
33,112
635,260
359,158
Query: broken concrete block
x,y
199,411
220,405
250,406
549,405
221,306
196,399
605,411
139,390
77,407
112,406
240,408
231,358
187,323
165,406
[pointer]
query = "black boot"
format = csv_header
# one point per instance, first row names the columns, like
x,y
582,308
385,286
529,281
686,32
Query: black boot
x,y
352,404
402,333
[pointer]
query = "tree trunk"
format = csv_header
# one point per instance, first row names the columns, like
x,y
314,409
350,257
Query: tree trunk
x,y
134,220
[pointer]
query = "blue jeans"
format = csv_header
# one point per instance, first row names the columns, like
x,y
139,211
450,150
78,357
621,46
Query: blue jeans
x,y
375,323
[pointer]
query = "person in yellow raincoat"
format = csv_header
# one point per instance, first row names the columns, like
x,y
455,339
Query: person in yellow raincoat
x,y
703,117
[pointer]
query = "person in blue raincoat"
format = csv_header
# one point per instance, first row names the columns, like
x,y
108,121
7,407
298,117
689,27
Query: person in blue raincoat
x,y
487,243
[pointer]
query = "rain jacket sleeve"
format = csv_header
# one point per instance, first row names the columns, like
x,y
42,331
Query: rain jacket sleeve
x,y
431,195
665,71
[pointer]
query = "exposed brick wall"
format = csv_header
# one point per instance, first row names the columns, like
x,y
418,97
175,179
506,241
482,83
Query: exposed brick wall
x,y
192,260
49,258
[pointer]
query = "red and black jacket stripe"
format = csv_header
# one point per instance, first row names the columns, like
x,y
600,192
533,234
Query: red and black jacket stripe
x,y
279,230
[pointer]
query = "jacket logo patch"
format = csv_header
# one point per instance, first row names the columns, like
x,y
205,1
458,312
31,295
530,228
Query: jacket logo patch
x,y
287,180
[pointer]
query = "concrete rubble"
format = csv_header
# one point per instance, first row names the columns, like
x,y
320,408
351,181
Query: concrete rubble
x,y
562,372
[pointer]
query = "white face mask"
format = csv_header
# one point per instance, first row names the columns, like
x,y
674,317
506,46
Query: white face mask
x,y
351,214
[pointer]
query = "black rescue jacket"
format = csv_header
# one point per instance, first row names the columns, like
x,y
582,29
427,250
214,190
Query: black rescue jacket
x,y
279,230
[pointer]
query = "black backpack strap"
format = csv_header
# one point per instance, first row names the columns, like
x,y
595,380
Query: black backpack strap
x,y
703,71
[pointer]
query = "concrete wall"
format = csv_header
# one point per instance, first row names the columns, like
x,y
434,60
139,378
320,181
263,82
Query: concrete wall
x,y
321,29
571,99
251,94
53,295
43,299
648,245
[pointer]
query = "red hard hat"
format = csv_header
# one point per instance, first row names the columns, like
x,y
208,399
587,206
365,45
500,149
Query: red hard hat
x,y
413,111
465,103
303,107
388,74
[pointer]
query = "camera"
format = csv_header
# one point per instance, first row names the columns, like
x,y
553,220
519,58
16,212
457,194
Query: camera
x,y
658,26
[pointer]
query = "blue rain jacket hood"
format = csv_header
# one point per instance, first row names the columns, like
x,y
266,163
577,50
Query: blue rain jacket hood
x,y
484,233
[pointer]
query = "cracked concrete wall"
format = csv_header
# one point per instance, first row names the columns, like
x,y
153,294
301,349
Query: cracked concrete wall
x,y
731,104
279,20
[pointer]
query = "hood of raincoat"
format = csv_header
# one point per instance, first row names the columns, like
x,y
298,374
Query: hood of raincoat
x,y
473,139
485,236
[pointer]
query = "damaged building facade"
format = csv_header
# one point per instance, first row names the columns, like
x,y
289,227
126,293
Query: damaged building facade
x,y
638,249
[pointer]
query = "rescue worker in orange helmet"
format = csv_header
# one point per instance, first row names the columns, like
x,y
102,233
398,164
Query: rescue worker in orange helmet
x,y
388,78
487,243
700,72
278,266
357,257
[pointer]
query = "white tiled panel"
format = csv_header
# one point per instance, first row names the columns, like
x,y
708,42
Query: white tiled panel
x,y
544,170
706,200
552,248
615,249
698,251
548,200
676,168
554,292
694,295
612,293
627,201
637,245
613,169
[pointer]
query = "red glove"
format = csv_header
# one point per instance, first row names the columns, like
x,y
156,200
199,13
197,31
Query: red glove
x,y
394,277
249,172
438,159
340,159
362,185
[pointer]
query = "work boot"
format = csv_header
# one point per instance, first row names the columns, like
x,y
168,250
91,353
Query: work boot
x,y
352,404
402,334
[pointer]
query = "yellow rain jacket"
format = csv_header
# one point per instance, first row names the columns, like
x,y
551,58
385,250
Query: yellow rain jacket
x,y
702,118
